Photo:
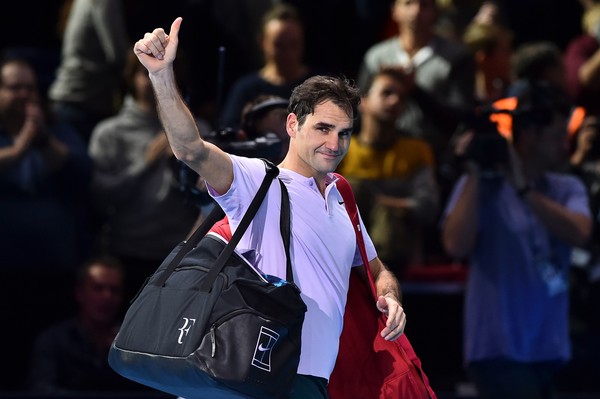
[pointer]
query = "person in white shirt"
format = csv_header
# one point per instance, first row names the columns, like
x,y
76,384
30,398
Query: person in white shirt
x,y
323,246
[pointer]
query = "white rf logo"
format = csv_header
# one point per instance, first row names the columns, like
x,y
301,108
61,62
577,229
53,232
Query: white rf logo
x,y
185,329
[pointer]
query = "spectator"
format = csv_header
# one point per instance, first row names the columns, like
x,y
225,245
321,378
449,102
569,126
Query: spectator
x,y
517,229
94,47
71,355
136,183
44,231
456,15
582,62
491,46
392,175
44,179
264,117
585,273
443,71
538,61
220,37
282,45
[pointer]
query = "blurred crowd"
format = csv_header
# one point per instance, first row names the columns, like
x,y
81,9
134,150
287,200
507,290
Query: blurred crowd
x,y
92,198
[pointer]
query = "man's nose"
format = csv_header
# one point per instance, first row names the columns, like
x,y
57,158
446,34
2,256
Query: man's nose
x,y
333,141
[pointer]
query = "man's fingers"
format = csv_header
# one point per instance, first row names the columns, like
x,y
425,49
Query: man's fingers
x,y
174,32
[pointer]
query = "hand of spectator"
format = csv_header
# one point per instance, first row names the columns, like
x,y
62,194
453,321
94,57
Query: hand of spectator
x,y
488,14
157,50
585,140
33,130
461,143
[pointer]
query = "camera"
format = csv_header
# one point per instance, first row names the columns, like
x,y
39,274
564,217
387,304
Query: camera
x,y
488,148
249,141
229,140
267,145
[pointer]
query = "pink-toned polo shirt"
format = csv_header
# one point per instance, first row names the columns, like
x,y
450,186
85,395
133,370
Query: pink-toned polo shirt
x,y
323,249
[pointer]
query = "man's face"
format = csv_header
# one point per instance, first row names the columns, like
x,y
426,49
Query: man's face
x,y
385,100
17,89
101,294
283,42
418,16
322,140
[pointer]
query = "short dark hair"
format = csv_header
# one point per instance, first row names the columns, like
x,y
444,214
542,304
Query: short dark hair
x,y
21,62
395,73
537,104
257,108
318,89
532,60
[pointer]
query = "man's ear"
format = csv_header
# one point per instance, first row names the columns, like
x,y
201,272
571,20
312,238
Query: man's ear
x,y
291,124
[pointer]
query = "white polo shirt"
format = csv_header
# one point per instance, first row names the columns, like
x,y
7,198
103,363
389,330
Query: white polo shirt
x,y
323,249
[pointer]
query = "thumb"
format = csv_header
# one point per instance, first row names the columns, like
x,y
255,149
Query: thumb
x,y
174,32
382,304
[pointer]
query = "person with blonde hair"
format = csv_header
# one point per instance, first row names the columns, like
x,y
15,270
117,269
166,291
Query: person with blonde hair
x,y
491,46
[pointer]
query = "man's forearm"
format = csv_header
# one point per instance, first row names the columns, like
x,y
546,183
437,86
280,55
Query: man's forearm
x,y
385,281
176,118
573,228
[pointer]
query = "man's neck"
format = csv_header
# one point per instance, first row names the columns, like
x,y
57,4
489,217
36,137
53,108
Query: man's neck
x,y
412,43
297,165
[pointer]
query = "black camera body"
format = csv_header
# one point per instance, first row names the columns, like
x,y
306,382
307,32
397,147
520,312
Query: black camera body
x,y
266,146
488,148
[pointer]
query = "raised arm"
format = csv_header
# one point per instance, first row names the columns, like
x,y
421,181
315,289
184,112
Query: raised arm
x,y
157,52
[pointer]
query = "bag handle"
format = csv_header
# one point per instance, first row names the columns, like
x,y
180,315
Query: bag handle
x,y
350,203
217,214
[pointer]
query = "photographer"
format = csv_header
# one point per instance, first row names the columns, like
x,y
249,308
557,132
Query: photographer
x,y
517,228
262,135
585,273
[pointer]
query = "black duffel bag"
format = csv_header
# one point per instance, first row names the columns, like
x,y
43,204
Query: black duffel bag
x,y
207,324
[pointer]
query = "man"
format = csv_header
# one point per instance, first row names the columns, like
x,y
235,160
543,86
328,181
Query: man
x,y
392,174
443,72
517,227
44,175
323,243
71,356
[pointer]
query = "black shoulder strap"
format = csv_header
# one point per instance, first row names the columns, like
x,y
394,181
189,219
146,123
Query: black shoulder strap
x,y
216,215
